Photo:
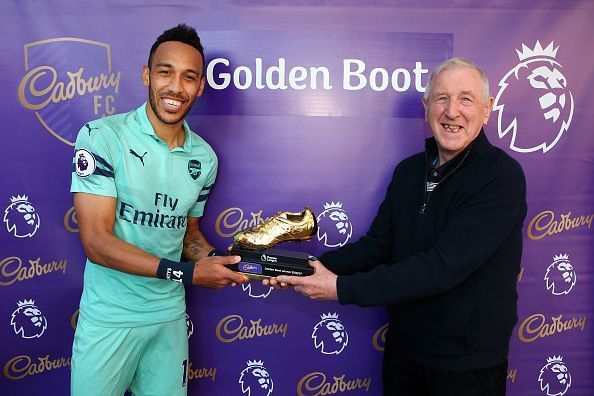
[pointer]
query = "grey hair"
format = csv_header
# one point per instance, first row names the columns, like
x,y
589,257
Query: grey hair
x,y
453,63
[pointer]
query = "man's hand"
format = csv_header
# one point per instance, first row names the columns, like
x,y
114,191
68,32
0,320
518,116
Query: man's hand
x,y
211,272
319,286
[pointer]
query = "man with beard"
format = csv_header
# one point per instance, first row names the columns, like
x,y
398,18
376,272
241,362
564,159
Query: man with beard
x,y
138,202
443,252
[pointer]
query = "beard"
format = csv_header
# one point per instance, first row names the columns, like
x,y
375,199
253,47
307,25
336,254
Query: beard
x,y
153,104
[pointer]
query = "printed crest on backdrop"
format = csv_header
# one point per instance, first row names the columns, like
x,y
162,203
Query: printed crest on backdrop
x,y
256,289
554,377
255,379
534,102
21,218
68,81
560,276
329,335
27,320
334,226
189,326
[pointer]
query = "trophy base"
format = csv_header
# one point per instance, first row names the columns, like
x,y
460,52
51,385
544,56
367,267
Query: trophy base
x,y
270,263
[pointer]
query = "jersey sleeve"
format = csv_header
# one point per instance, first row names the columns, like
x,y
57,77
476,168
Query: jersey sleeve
x,y
198,209
93,162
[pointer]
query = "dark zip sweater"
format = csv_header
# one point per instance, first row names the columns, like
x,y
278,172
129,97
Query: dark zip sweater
x,y
446,268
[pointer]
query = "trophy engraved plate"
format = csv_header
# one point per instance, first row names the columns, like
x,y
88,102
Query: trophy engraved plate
x,y
269,263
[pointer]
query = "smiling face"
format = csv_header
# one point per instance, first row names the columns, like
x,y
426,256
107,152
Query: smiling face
x,y
456,110
174,80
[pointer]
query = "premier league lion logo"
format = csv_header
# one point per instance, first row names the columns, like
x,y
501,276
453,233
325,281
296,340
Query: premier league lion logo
x,y
82,162
21,218
334,227
329,335
554,377
534,103
255,379
560,276
189,326
256,290
27,320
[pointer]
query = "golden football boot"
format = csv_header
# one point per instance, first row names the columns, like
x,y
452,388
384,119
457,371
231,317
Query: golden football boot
x,y
282,227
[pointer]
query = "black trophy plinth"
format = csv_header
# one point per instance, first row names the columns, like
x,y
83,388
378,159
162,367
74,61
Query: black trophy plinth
x,y
270,263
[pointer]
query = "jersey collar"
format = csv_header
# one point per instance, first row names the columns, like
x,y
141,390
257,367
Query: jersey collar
x,y
147,128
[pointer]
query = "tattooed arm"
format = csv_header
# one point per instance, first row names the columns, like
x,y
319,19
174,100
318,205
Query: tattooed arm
x,y
196,246
209,271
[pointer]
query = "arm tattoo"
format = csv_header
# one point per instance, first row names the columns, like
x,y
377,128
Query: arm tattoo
x,y
195,247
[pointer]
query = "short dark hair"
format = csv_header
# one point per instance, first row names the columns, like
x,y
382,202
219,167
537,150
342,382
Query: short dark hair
x,y
182,33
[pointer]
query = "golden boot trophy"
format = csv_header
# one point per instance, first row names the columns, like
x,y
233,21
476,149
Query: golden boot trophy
x,y
259,261
282,227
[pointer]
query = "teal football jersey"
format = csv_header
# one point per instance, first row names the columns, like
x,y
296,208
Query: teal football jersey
x,y
156,190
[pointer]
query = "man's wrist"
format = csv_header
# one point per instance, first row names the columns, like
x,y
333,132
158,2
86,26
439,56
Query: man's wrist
x,y
182,272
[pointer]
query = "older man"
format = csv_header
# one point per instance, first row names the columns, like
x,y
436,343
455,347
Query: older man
x,y
443,252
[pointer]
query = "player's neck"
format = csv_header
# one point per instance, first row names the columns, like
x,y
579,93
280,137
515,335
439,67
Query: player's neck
x,y
173,135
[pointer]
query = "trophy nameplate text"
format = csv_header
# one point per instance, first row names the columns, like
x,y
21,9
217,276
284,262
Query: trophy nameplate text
x,y
270,263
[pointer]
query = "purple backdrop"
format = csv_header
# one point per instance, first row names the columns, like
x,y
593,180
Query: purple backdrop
x,y
305,105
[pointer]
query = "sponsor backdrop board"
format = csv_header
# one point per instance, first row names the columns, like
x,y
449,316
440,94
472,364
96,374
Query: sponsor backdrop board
x,y
305,104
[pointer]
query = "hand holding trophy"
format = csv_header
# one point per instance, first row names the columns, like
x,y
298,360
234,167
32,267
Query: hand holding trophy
x,y
255,246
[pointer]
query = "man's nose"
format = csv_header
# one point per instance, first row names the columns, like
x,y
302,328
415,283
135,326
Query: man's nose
x,y
175,84
452,110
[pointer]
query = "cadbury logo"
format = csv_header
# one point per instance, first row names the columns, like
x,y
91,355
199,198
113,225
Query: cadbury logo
x,y
379,338
74,319
70,221
13,270
536,326
512,374
316,384
545,224
251,268
202,372
231,221
57,92
22,366
232,328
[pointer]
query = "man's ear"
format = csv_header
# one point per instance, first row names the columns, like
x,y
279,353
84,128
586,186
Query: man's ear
x,y
146,76
488,109
201,89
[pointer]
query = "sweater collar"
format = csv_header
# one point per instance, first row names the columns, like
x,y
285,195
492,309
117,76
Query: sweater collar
x,y
477,147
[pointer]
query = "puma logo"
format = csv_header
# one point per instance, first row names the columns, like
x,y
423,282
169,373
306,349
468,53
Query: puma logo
x,y
140,157
89,128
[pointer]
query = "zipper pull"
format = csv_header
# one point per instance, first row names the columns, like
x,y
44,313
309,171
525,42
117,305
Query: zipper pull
x,y
422,211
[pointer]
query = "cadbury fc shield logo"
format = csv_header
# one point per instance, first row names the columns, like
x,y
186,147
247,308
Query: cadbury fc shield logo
x,y
68,81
